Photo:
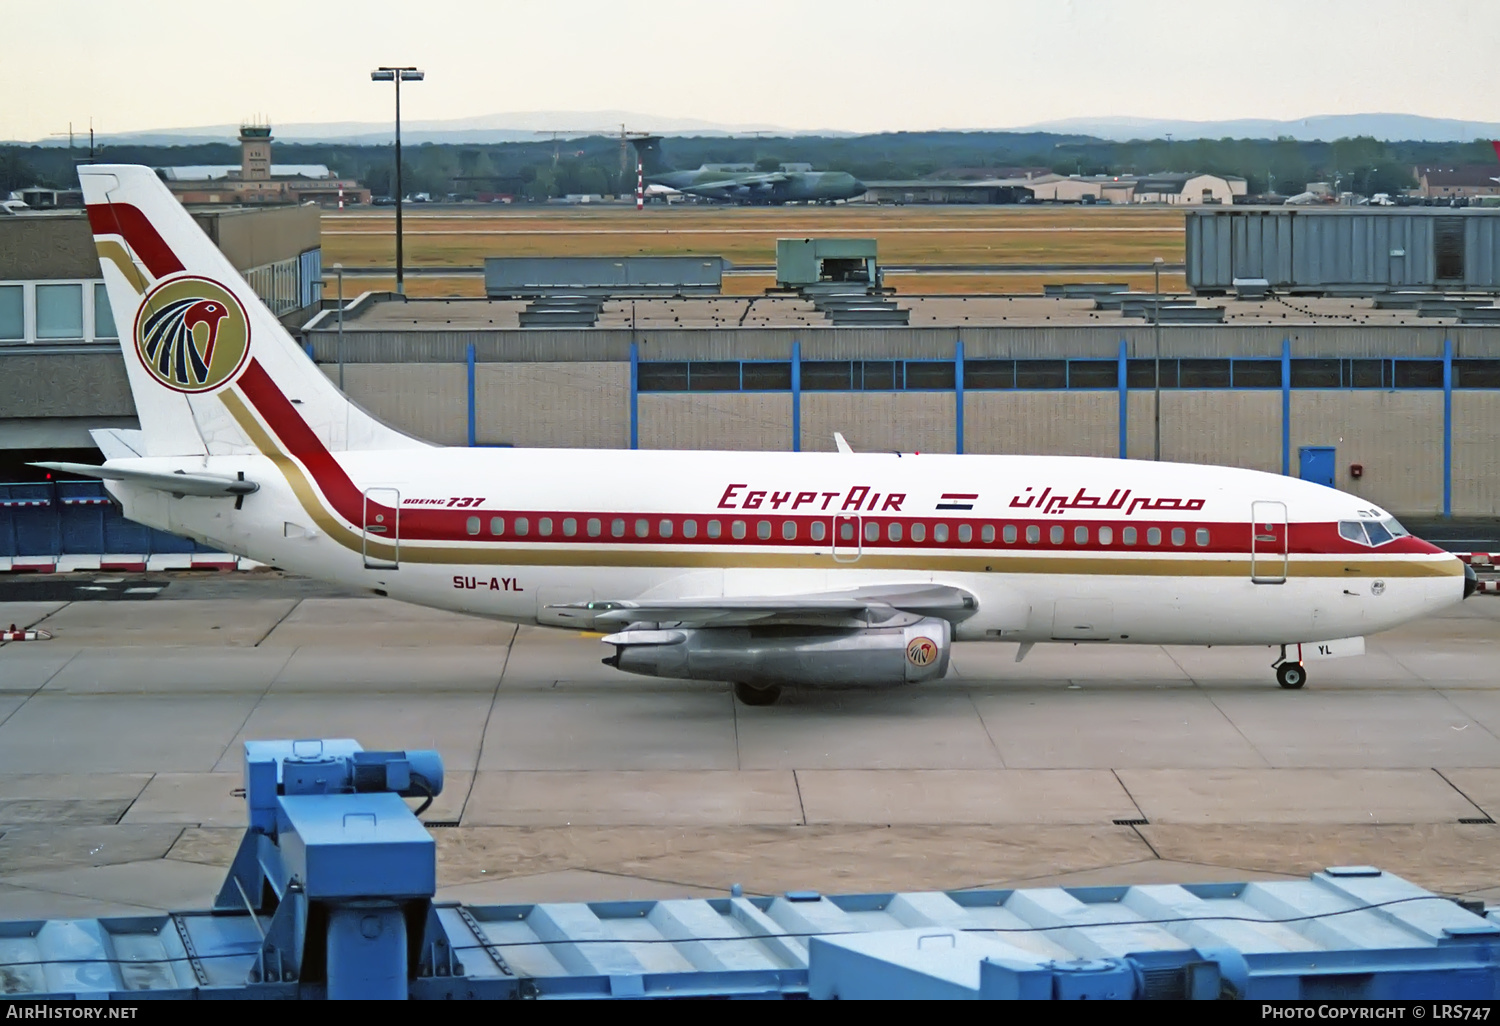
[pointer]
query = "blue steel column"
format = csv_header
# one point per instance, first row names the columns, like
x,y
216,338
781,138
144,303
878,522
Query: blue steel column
x,y
635,369
471,394
796,397
958,396
1286,407
1124,403
1447,427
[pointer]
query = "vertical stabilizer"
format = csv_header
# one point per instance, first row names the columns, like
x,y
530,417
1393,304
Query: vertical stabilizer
x,y
192,329
649,154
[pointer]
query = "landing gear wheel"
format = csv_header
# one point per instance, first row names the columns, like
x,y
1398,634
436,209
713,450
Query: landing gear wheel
x,y
750,695
1291,676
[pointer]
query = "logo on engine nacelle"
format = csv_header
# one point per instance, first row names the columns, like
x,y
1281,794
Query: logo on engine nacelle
x,y
921,652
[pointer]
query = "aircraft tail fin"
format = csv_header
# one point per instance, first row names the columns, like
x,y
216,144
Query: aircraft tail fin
x,y
648,152
1496,143
201,349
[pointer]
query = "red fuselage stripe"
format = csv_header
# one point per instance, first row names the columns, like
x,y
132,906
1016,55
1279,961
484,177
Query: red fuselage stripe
x,y
425,524
136,229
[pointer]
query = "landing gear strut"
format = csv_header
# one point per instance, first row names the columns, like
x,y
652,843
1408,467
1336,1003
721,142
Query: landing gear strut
x,y
1290,675
751,695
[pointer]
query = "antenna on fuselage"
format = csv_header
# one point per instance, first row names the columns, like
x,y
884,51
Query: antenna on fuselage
x,y
842,442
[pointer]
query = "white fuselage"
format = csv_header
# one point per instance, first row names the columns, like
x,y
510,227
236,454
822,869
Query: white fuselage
x,y
1054,548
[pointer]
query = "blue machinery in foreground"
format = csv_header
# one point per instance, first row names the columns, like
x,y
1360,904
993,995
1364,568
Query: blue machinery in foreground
x,y
331,895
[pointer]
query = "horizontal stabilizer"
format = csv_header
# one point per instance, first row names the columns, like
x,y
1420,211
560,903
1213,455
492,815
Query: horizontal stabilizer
x,y
179,483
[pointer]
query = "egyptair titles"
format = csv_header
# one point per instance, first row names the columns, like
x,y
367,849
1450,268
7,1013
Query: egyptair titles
x,y
1119,500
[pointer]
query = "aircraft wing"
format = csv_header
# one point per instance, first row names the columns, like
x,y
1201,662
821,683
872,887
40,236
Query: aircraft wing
x,y
179,483
870,604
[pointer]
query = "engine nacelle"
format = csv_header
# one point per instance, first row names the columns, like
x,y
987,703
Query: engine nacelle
x,y
798,656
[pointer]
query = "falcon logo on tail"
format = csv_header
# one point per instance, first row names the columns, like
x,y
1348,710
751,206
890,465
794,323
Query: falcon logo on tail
x,y
192,334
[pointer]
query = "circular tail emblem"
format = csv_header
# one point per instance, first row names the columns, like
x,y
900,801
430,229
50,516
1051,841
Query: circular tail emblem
x,y
921,651
192,334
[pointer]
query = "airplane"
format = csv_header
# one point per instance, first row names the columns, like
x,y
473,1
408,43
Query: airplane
x,y
762,569
745,186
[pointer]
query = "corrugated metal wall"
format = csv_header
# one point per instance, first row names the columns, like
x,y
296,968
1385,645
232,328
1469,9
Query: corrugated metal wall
x,y
1042,423
880,421
571,405
1395,436
745,421
1371,248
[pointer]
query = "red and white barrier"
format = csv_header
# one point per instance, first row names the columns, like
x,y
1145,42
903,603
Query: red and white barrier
x,y
16,634
125,563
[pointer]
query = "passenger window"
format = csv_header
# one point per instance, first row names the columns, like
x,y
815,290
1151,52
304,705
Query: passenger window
x,y
737,529
1033,534
893,531
617,527
1179,537
643,528
872,531
846,530
1127,535
1080,535
763,530
690,528
987,534
1106,536
1153,536
523,526
596,528
1376,532
1201,537
544,527
570,526
1055,534
918,532
816,530
940,533
789,530
473,525
1008,534
965,533
664,528
714,530
1352,530
497,526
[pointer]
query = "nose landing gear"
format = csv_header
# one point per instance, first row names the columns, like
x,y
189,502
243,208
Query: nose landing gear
x,y
1290,675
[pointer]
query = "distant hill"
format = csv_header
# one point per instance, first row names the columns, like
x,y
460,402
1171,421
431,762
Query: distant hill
x,y
1325,127
528,126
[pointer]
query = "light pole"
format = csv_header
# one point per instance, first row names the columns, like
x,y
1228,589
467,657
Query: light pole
x,y
398,75
338,269
1156,319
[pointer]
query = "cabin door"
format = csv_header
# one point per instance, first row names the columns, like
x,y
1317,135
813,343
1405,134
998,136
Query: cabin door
x,y
380,538
1268,542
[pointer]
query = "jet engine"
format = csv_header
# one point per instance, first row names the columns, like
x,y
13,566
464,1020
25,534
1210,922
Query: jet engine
x,y
767,657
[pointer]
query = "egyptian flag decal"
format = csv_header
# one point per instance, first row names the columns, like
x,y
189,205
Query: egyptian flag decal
x,y
958,500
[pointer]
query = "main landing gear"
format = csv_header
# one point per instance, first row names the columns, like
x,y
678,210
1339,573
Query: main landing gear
x,y
749,694
1289,675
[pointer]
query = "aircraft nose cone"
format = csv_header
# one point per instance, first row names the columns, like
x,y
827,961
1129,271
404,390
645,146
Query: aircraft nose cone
x,y
1471,581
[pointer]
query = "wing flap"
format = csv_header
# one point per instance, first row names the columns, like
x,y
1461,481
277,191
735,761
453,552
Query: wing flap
x,y
178,483
873,604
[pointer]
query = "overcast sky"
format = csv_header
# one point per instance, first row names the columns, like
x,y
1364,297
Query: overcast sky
x,y
867,65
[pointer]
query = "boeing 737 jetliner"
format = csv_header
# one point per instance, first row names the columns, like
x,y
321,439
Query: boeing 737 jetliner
x,y
764,569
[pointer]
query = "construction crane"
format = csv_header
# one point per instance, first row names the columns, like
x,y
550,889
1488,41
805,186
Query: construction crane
x,y
559,133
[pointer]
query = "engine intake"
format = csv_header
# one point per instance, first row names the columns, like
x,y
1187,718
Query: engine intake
x,y
799,656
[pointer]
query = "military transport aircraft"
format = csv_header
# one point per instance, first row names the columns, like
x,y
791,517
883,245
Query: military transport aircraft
x,y
745,186
764,569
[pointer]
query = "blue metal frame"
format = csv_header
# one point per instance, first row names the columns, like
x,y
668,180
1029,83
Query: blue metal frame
x,y
1124,395
1447,427
958,397
635,413
796,396
1286,407
472,418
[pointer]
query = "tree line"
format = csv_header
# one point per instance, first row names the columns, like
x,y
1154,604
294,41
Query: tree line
x,y
544,169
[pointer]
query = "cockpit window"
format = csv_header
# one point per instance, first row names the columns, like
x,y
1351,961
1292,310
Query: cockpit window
x,y
1371,532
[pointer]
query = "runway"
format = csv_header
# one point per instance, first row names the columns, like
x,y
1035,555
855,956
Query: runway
x,y
120,745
